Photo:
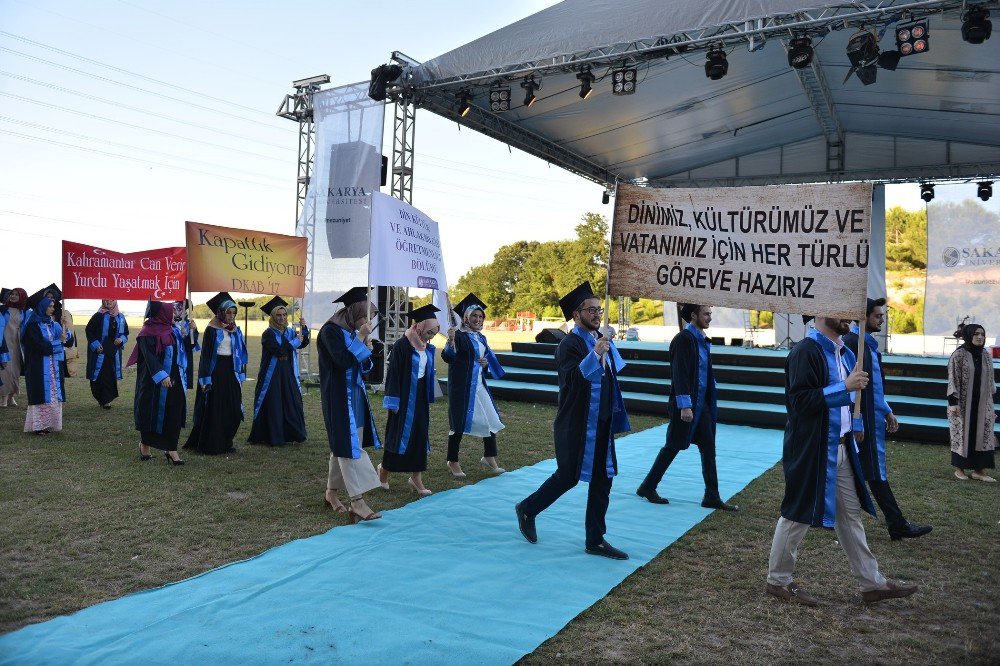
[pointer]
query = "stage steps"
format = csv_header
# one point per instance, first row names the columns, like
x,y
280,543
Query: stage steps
x,y
750,383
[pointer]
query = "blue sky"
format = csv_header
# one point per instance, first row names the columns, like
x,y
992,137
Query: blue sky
x,y
121,119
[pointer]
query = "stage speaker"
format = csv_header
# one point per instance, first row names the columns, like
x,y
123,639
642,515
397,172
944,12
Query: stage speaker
x,y
553,335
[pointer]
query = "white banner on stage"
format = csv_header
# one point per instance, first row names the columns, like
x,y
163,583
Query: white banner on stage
x,y
963,262
337,211
405,246
788,248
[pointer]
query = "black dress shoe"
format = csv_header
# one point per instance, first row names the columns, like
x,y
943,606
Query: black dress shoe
x,y
526,524
605,549
719,504
910,531
651,495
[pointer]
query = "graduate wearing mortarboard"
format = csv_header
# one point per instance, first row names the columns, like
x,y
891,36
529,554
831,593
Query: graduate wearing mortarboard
x,y
345,355
277,405
409,390
189,331
218,405
590,412
471,409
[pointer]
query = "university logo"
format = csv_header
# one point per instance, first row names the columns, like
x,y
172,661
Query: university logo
x,y
950,256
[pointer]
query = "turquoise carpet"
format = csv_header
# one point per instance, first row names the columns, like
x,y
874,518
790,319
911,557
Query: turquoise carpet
x,y
446,579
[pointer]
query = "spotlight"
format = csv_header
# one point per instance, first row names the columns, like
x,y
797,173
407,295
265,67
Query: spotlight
x,y
499,98
530,86
976,26
985,190
586,82
926,191
800,52
382,76
716,65
863,52
605,197
912,38
464,102
623,81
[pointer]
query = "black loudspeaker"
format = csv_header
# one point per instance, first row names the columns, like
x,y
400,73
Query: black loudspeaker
x,y
553,335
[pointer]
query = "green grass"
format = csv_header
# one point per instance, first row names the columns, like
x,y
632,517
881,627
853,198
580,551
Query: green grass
x,y
84,521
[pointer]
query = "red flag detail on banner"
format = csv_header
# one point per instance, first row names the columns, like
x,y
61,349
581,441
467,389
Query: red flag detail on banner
x,y
94,272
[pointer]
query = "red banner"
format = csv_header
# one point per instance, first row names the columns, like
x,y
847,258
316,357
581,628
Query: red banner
x,y
93,272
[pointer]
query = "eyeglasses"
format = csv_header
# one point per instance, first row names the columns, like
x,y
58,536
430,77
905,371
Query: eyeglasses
x,y
592,311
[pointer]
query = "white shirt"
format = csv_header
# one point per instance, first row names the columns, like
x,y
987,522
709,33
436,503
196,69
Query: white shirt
x,y
226,346
845,412
423,364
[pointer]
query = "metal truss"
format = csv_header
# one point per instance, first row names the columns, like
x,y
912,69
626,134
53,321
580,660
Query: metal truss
x,y
397,302
821,100
947,172
754,33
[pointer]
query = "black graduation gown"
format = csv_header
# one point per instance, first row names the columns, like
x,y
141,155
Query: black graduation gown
x,y
408,400
190,347
343,361
581,377
872,447
463,378
42,348
104,369
813,400
218,411
278,416
160,412
686,380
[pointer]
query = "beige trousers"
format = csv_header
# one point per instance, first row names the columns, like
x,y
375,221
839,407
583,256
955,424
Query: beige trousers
x,y
850,532
356,476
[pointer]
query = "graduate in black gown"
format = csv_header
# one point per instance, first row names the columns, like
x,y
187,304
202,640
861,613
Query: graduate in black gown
x,y
471,409
189,332
409,390
277,405
107,334
218,407
346,351
590,412
160,406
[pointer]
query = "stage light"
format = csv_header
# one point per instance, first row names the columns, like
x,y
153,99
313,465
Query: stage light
x,y
985,190
606,198
927,191
800,52
863,52
913,38
499,98
716,65
586,83
464,102
623,81
382,76
976,26
530,85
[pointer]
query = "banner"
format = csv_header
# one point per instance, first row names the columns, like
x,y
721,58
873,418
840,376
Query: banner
x,y
253,262
791,248
337,210
963,262
406,247
94,272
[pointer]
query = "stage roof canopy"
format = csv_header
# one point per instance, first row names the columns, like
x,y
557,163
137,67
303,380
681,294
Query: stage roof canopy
x,y
935,117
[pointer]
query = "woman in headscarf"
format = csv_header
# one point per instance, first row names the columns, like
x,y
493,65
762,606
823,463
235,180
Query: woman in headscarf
x,y
43,377
471,409
345,356
277,405
11,363
218,407
409,390
160,408
970,405
189,333
107,334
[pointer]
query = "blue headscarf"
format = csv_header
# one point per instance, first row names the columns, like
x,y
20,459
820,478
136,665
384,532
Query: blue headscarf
x,y
42,307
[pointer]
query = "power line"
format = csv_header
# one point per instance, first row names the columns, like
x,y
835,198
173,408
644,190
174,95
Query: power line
x,y
142,90
119,105
57,219
140,127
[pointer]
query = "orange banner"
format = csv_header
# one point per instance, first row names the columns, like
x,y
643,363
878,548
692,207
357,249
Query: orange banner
x,y
252,262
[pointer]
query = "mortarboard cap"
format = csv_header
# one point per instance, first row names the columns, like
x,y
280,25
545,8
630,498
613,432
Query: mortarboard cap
x,y
423,312
37,297
276,302
4,293
807,318
216,301
467,302
571,301
352,296
688,310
